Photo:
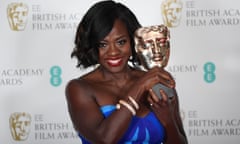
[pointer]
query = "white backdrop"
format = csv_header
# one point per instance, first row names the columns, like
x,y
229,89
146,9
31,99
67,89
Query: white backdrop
x,y
35,66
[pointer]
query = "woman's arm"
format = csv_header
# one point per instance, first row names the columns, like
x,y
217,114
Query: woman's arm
x,y
88,119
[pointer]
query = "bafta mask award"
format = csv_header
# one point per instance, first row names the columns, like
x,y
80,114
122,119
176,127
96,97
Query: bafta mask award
x,y
153,48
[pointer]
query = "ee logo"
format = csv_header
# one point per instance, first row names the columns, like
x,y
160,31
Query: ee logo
x,y
55,73
209,72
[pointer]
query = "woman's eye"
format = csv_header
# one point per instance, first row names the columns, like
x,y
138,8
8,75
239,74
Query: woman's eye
x,y
122,42
102,45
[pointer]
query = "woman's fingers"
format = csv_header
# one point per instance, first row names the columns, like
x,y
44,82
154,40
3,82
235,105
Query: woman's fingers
x,y
153,95
162,76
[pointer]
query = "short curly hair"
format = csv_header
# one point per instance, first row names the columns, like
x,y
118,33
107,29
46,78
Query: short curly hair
x,y
95,25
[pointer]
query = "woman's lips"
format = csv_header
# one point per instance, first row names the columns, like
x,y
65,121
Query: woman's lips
x,y
114,62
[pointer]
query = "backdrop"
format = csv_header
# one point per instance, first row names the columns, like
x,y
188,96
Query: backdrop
x,y
36,39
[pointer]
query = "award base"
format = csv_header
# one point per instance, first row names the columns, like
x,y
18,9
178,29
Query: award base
x,y
169,91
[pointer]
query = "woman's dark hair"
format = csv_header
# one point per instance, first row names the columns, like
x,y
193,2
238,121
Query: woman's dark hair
x,y
95,25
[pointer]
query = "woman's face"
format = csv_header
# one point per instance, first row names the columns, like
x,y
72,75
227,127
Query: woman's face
x,y
115,49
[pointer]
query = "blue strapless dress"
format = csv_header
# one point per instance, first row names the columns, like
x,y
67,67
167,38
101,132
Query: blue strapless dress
x,y
142,130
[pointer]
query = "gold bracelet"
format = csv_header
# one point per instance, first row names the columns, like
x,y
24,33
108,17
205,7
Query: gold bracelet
x,y
128,106
134,102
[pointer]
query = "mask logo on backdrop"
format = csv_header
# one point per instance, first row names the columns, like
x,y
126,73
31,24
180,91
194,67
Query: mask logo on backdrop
x,y
209,72
55,72
171,12
17,14
25,127
20,123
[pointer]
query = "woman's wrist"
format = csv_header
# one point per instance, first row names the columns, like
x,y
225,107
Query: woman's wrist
x,y
130,104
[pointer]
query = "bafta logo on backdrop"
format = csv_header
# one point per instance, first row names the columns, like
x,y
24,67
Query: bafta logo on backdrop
x,y
171,12
20,124
17,16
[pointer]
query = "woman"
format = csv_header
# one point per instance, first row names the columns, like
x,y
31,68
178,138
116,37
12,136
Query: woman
x,y
111,104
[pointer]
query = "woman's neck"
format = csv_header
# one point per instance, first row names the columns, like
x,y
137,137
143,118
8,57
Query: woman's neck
x,y
119,78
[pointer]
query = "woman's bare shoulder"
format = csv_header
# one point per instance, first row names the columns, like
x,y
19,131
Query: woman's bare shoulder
x,y
81,86
77,88
76,83
80,83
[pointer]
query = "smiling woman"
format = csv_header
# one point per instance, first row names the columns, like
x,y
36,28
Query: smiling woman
x,y
114,49
114,103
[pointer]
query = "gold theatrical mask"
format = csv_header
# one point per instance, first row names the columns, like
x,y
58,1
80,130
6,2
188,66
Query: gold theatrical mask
x,y
152,45
153,49
17,16
20,124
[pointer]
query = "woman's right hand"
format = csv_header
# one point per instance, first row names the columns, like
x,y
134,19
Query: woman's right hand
x,y
158,75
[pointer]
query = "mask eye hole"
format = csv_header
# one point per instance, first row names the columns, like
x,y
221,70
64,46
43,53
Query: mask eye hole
x,y
148,44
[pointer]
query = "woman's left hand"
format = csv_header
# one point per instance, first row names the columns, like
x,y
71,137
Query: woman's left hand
x,y
163,108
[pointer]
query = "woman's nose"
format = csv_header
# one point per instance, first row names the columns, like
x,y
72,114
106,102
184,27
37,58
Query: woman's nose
x,y
113,50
